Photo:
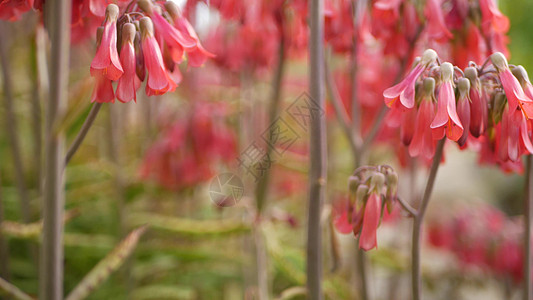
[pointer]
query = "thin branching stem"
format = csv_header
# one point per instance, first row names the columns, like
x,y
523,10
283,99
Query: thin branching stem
x,y
83,132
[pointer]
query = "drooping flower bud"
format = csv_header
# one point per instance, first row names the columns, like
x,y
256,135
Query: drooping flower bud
x,y
513,90
479,109
377,182
405,90
159,81
128,84
446,120
106,61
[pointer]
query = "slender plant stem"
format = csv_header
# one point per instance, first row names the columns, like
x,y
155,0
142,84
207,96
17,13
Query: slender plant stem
x,y
4,250
340,111
407,207
36,114
11,127
262,185
51,277
83,132
419,218
318,151
528,221
363,272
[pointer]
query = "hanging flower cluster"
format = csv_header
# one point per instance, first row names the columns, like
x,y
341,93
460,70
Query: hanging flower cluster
x,y
488,106
484,238
371,189
128,56
188,152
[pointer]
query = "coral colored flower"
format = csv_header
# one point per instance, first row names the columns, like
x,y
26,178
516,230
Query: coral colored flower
x,y
129,83
103,91
436,29
463,108
423,143
514,136
176,41
492,17
106,62
479,109
407,127
198,55
446,120
371,219
12,9
405,90
513,90
159,81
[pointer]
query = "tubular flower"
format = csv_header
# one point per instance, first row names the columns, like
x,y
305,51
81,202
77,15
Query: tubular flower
x,y
176,41
436,29
446,121
479,112
513,90
159,81
129,83
103,90
106,62
492,17
423,142
198,55
405,90
463,107
514,137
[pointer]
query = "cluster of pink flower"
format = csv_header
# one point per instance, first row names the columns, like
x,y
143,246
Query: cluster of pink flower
x,y
137,37
189,150
489,105
251,31
156,52
482,237
369,189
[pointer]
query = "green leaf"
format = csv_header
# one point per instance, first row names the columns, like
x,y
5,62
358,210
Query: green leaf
x,y
189,226
106,266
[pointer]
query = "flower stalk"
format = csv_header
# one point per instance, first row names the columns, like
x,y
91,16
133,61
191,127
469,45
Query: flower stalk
x,y
418,221
528,221
318,151
51,276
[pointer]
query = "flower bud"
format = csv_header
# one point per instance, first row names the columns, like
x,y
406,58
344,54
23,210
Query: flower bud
x,y
353,185
428,57
377,181
499,61
172,9
361,194
147,27
146,6
111,12
471,74
128,33
428,86
446,71
521,74
392,189
498,106
463,86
